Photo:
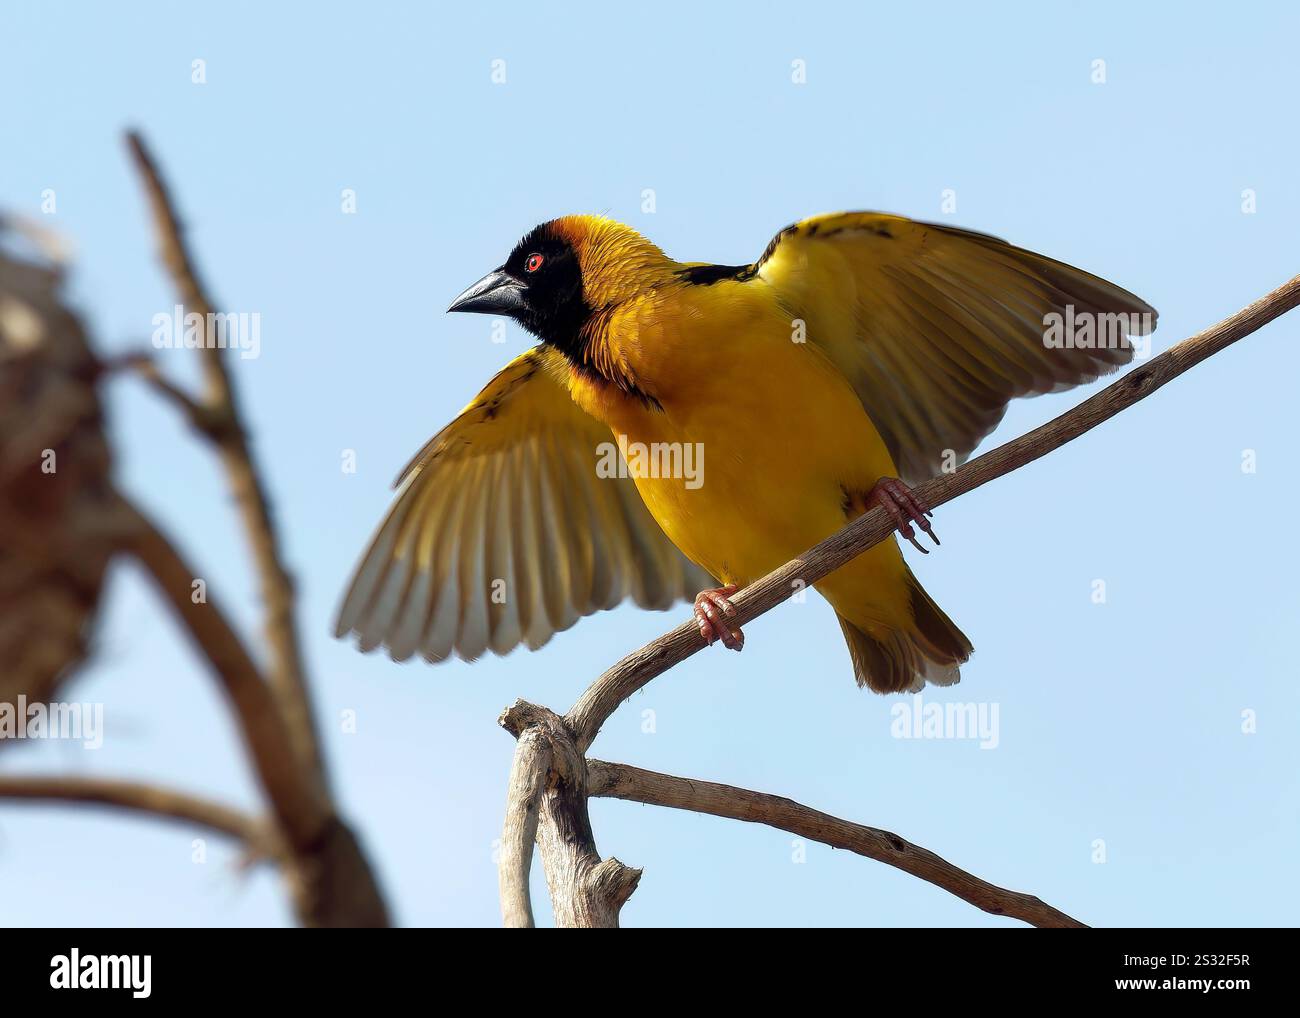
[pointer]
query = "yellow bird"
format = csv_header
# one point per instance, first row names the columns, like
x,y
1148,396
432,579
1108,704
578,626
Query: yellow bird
x,y
686,421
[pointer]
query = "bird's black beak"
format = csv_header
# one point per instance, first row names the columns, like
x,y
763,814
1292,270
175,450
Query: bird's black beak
x,y
497,293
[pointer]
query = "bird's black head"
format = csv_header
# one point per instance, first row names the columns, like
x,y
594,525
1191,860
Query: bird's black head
x,y
539,286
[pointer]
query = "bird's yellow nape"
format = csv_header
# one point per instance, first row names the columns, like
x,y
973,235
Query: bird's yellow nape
x,y
617,262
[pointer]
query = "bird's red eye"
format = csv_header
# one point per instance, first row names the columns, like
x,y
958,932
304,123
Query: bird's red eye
x,y
534,263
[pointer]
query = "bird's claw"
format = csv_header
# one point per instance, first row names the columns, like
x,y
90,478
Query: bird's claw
x,y
905,507
712,609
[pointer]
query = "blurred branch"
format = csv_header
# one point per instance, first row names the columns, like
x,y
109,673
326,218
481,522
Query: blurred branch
x,y
225,425
60,526
332,881
200,415
144,798
579,728
296,795
620,781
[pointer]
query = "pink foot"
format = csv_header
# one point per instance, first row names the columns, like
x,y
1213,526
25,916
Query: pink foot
x,y
712,609
904,508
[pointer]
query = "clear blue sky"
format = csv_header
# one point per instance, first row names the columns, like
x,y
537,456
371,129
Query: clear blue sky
x,y
1118,721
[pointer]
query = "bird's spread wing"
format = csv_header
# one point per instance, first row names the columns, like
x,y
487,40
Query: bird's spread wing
x,y
503,533
938,328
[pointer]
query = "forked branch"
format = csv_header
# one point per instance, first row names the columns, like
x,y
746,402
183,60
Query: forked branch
x,y
548,801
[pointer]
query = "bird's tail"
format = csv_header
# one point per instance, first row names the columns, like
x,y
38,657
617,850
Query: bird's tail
x,y
894,660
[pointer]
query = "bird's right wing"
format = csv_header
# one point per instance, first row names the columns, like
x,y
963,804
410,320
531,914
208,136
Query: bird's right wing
x,y
503,533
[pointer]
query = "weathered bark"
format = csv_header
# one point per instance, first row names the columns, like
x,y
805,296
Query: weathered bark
x,y
528,777
550,777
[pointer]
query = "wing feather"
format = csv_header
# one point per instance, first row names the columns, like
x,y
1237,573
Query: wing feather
x,y
472,637
509,492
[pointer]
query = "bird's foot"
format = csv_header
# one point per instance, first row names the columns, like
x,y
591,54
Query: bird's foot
x,y
904,508
712,610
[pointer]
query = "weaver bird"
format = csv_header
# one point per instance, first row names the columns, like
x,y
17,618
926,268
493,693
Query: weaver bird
x,y
856,355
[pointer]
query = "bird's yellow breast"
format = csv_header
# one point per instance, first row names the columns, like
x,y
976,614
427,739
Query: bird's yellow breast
x,y
775,439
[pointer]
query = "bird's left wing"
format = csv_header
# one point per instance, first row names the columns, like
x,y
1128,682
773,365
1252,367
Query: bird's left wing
x,y
504,533
938,328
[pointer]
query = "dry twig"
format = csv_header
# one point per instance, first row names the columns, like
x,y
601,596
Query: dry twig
x,y
620,781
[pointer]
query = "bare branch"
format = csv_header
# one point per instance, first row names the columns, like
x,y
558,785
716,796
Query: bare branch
x,y
603,697
144,798
523,801
288,674
621,781
586,891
